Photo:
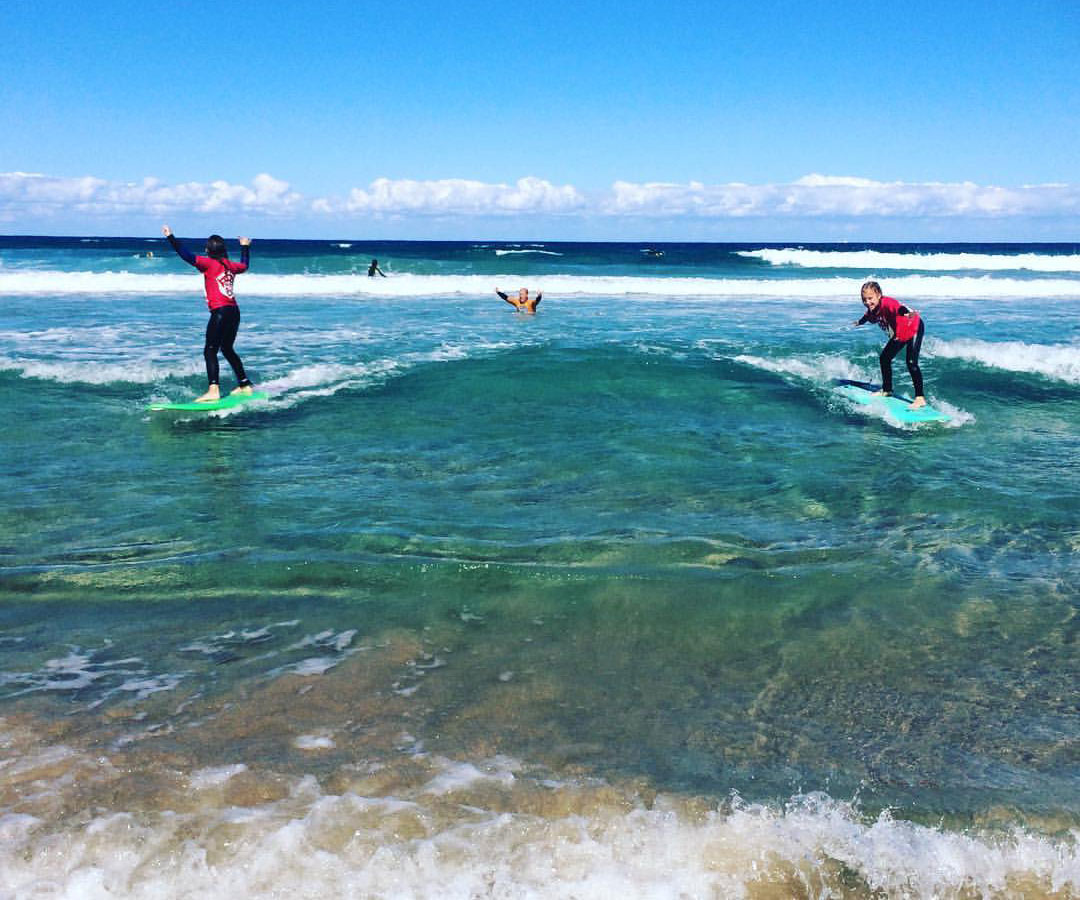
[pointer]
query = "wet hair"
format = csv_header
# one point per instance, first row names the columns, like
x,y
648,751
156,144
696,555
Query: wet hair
x,y
215,247
873,285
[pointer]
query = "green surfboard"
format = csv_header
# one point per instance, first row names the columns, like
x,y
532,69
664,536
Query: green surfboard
x,y
227,402
898,408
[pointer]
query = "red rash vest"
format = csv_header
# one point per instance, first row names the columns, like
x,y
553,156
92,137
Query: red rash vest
x,y
218,276
890,319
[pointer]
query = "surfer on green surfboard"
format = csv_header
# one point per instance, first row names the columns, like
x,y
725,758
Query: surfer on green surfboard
x,y
218,274
905,329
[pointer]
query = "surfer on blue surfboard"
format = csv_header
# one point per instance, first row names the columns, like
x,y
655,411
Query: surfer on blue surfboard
x,y
218,274
905,329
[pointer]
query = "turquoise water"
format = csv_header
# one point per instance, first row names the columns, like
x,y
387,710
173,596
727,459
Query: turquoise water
x,y
543,606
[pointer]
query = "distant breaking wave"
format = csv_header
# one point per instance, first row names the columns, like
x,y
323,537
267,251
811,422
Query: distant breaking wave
x,y
1060,362
1057,362
875,260
544,252
45,283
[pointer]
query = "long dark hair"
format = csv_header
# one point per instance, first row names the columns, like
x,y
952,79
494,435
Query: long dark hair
x,y
215,247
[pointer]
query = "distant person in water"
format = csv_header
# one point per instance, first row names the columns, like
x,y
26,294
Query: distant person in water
x,y
905,329
373,268
522,302
218,274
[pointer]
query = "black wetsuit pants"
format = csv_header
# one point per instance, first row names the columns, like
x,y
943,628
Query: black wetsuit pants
x,y
220,334
914,345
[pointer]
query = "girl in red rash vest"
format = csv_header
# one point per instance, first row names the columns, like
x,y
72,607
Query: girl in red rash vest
x,y
905,329
218,274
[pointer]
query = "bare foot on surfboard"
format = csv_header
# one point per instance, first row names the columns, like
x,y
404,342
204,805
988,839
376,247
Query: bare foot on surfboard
x,y
245,389
212,393
918,403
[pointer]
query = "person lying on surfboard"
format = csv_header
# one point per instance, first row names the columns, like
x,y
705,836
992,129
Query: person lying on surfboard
x,y
521,302
905,329
218,274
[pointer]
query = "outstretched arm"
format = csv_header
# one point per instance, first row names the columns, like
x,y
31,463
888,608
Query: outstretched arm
x,y
245,251
505,297
185,254
539,297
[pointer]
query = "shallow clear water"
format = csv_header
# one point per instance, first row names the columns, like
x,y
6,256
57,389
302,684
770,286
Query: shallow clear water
x,y
475,597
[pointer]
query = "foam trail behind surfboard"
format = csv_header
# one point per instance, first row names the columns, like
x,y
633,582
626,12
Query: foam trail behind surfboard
x,y
898,407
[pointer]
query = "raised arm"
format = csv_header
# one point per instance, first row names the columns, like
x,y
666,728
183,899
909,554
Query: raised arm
x,y
185,254
245,253
506,298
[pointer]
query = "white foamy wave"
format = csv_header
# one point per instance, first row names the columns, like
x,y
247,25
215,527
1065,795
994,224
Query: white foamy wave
x,y
822,371
817,369
1060,362
871,260
511,252
480,831
327,379
410,286
87,372
317,379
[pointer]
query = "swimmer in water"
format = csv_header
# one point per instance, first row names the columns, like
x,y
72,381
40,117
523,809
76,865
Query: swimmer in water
x,y
522,302
373,268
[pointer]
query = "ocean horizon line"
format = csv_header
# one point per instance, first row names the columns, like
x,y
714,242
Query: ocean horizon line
x,y
770,243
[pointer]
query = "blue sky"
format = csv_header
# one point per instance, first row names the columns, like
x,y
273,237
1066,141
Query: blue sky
x,y
577,120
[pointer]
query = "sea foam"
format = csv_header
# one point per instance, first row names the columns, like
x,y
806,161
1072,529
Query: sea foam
x,y
1059,362
871,260
820,371
480,829
39,283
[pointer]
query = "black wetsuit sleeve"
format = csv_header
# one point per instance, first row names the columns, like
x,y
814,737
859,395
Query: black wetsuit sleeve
x,y
245,255
864,319
903,311
501,294
185,254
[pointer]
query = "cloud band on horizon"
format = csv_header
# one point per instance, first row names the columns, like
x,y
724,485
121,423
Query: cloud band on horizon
x,y
25,195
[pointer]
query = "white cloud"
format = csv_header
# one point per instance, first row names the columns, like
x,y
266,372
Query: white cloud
x,y
457,196
841,196
25,196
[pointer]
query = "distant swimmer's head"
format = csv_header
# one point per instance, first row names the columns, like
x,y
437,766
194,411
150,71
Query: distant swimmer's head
x,y
871,295
215,247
